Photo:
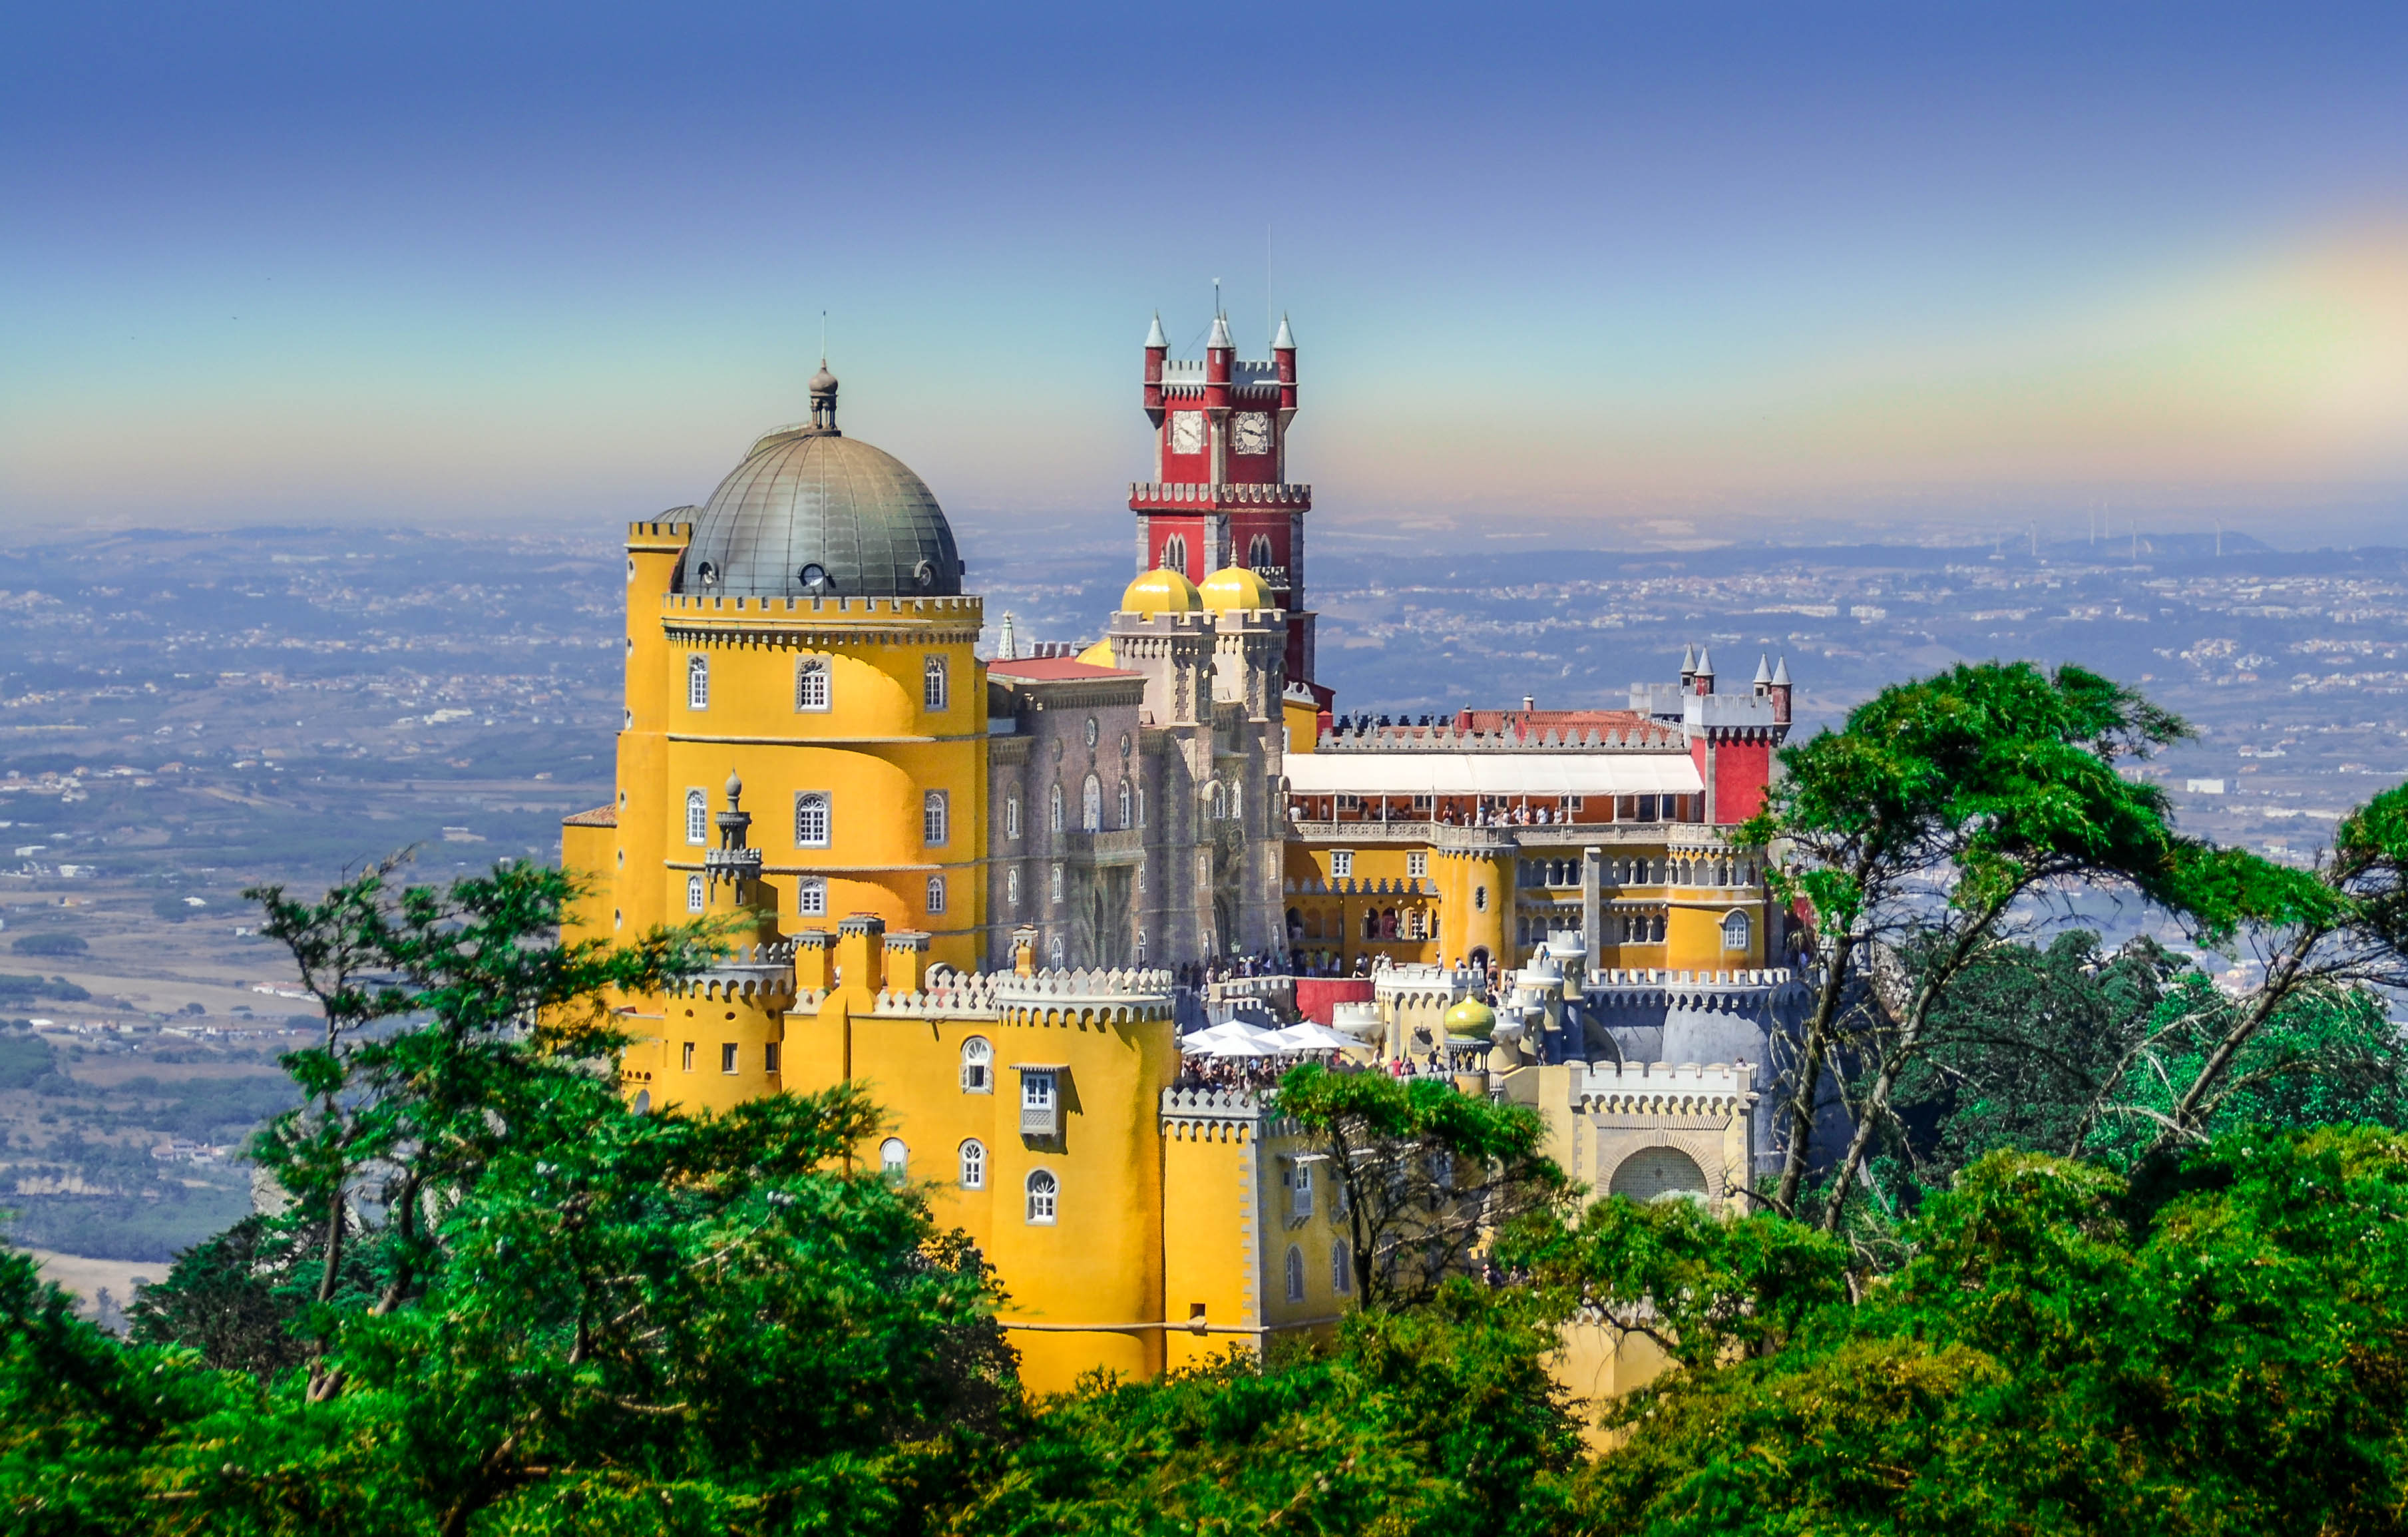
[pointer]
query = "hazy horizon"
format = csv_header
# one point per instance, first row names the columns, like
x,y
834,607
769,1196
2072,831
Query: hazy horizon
x,y
1619,280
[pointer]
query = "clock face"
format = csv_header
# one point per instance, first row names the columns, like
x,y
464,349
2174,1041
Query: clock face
x,y
1250,432
1187,432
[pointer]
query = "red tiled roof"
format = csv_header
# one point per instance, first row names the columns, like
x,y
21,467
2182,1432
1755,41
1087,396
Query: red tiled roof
x,y
600,816
1049,670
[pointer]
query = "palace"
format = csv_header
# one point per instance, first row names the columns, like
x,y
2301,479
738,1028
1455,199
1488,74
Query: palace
x,y
993,888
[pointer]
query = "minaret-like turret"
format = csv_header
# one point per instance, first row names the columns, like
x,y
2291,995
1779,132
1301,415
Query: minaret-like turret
x,y
1763,681
1779,688
1704,676
1688,666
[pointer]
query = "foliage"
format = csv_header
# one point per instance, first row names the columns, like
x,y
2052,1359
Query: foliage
x,y
2057,1357
1704,1287
1940,806
1439,1420
1424,1172
231,1298
19,988
52,944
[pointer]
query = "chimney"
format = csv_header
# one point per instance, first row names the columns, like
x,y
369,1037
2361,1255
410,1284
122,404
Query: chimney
x,y
906,959
857,944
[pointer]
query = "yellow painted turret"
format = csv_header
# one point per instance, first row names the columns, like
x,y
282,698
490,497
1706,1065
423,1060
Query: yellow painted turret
x,y
1161,591
1099,655
1235,587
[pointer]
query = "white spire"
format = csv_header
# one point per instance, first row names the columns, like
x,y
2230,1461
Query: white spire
x,y
1286,338
1763,671
1008,648
1154,336
1705,662
1688,661
1781,673
1219,336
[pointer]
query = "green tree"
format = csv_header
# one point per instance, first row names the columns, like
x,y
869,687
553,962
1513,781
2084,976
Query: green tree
x,y
1939,806
1441,1420
1424,1173
444,1011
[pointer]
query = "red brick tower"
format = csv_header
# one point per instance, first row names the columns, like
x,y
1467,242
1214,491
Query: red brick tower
x,y
1220,494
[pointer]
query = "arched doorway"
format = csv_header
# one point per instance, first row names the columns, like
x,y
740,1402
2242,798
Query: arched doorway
x,y
1658,1173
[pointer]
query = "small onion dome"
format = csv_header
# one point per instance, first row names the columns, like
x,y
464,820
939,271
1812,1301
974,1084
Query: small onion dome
x,y
1235,587
1161,591
1472,1019
1099,655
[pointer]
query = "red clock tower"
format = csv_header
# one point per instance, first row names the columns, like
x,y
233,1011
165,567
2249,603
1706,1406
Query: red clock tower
x,y
1220,494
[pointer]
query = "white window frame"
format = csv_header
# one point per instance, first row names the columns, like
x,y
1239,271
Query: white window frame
x,y
1058,885
936,817
1300,1193
936,685
895,1159
1054,808
1174,554
730,1059
970,1162
977,1065
1128,807
1043,1191
811,896
1341,1269
1341,864
696,898
1011,888
1053,955
1011,816
825,805
698,681
813,686
1091,805
697,818
936,895
1417,865
1746,931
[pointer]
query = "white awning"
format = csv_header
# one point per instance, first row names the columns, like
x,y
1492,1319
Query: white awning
x,y
1538,774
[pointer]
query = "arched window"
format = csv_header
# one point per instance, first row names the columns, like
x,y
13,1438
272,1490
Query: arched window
x,y
894,1158
1294,1273
1480,898
936,688
1140,805
694,893
1091,805
935,818
1141,947
698,682
1128,812
1174,552
973,1165
977,1065
811,819
698,817
812,684
1043,1191
1011,888
1218,803
1258,552
1659,928
1053,809
1011,816
1237,802
1341,1269
1735,931
936,895
811,896
1054,952
1058,885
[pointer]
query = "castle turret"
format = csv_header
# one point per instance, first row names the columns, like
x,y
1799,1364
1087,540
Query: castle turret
x,y
1779,689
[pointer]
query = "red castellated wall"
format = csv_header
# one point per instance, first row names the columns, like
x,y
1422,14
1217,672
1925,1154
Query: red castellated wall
x,y
1741,771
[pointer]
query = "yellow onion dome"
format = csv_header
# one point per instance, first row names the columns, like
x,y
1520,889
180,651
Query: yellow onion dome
x,y
1235,587
1472,1019
1161,591
1099,655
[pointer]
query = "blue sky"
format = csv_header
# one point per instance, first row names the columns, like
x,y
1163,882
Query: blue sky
x,y
1623,272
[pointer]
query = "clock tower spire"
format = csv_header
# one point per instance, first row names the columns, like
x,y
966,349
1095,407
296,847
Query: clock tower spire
x,y
1220,496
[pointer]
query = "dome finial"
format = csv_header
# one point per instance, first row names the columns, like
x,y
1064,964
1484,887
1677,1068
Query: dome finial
x,y
822,389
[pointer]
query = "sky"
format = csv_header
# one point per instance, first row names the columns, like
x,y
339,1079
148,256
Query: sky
x,y
1610,274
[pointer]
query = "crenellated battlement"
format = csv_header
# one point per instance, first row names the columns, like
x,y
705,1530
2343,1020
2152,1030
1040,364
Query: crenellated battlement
x,y
1442,736
1714,1089
1215,495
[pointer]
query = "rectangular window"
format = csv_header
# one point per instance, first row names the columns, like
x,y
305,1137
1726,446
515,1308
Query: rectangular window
x,y
1341,864
1039,1104
936,895
1058,885
935,688
687,1059
1303,1190
727,1057
694,901
811,819
769,1058
697,818
935,818
812,684
1011,816
698,682
811,896
1417,865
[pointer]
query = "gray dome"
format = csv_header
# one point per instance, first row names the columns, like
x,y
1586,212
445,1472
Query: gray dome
x,y
812,497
